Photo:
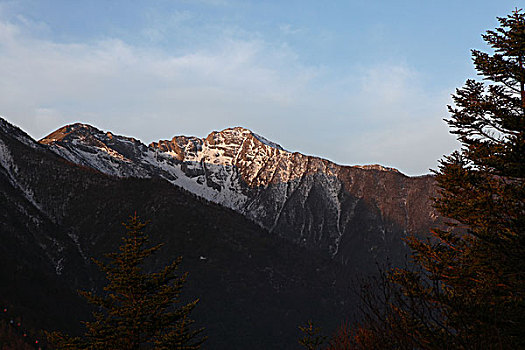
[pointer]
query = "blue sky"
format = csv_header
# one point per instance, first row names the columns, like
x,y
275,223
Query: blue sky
x,y
356,82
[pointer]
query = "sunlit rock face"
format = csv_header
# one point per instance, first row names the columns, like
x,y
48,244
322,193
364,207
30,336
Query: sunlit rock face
x,y
357,215
56,215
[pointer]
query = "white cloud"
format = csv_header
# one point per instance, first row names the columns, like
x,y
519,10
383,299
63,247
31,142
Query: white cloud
x,y
390,84
392,119
117,80
406,146
289,29
373,114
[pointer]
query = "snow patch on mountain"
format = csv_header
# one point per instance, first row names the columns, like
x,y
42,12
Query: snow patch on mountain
x,y
306,199
230,167
7,162
210,181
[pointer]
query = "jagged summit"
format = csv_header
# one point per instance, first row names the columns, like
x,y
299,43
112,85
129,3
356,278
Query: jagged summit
x,y
89,146
82,131
68,132
218,147
307,199
184,147
238,135
54,216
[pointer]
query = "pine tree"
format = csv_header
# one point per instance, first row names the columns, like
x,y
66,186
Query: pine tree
x,y
312,338
481,270
139,309
467,288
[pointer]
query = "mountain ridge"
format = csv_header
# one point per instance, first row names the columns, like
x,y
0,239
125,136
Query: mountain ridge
x,y
254,287
59,134
306,199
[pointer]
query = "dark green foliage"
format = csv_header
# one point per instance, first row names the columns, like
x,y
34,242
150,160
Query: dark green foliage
x,y
481,273
467,288
139,309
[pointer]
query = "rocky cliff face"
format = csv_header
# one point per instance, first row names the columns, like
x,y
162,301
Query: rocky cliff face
x,y
357,215
254,287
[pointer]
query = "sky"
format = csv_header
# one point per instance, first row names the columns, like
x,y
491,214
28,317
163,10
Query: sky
x,y
355,82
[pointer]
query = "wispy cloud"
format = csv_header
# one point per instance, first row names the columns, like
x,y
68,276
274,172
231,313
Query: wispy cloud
x,y
161,25
379,113
289,29
113,78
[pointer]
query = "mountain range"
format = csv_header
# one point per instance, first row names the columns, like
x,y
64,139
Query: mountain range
x,y
270,238
307,200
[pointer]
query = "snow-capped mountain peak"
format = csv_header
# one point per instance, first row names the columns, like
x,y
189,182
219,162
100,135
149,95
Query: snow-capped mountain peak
x,y
308,199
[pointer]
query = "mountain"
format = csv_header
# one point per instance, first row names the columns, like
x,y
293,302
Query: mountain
x,y
356,215
36,253
254,286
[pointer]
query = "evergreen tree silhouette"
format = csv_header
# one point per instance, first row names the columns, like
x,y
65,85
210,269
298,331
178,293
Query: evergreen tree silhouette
x,y
139,310
468,285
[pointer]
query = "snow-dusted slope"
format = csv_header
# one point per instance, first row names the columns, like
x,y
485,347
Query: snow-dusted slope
x,y
7,164
199,168
45,252
307,199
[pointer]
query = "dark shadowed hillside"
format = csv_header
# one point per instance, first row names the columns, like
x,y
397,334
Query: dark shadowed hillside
x,y
254,287
356,214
